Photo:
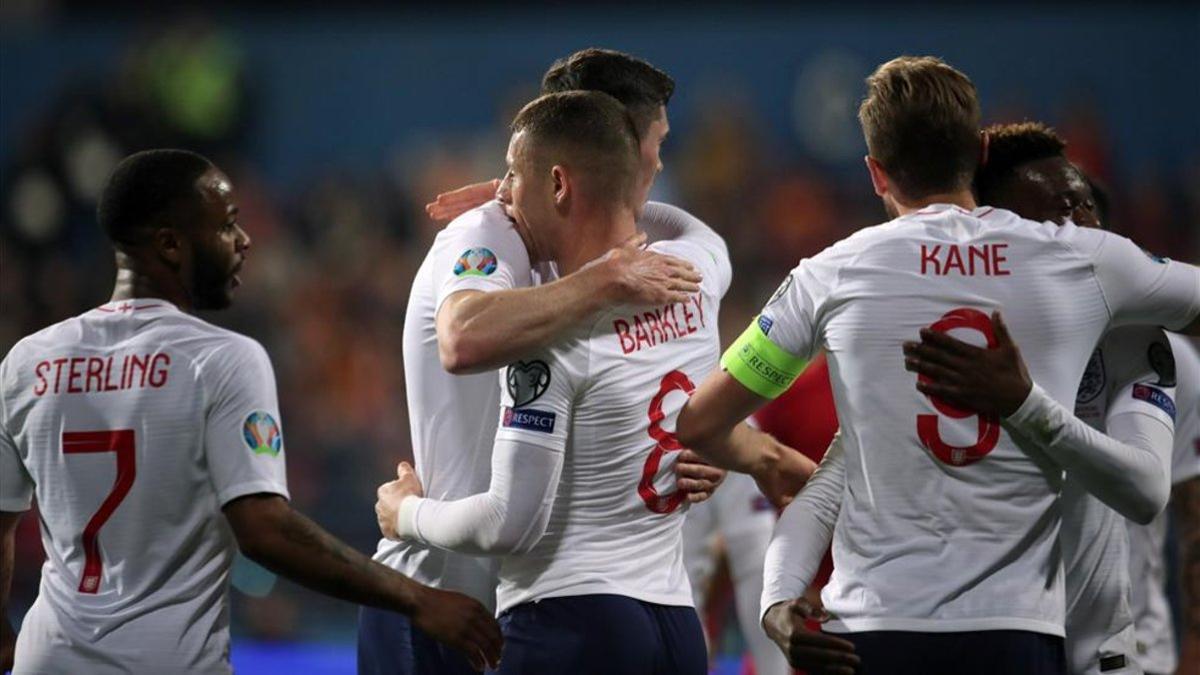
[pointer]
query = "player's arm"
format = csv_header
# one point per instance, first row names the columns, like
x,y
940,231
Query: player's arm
x,y
16,497
527,461
1127,468
1140,288
1186,500
284,541
449,205
244,449
509,518
797,547
8,636
711,424
759,366
665,222
479,331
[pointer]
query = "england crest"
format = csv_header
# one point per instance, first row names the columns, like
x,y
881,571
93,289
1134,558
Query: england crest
x,y
1094,379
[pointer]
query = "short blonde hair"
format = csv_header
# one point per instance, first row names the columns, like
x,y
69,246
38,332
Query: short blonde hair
x,y
921,122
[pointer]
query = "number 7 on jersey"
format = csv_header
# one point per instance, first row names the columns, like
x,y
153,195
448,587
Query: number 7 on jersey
x,y
120,441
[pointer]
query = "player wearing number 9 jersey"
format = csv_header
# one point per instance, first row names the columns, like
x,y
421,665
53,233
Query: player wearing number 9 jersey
x,y
948,524
153,443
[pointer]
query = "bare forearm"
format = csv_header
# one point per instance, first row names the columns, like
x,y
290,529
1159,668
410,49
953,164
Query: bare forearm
x,y
486,331
8,532
299,549
741,449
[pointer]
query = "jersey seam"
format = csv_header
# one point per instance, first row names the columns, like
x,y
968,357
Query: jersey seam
x,y
1092,265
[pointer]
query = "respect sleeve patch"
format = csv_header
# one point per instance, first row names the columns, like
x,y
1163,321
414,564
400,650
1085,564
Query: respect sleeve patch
x,y
759,364
528,419
1156,397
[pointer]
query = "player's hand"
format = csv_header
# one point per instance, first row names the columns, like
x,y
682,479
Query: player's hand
x,y
988,381
461,622
632,275
8,645
450,205
818,653
696,477
390,494
783,478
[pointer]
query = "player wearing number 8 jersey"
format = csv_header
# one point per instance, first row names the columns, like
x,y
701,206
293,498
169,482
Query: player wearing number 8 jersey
x,y
948,524
581,501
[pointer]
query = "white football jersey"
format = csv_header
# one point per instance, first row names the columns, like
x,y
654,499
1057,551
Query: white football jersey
x,y
946,524
1100,634
1152,613
450,415
133,424
609,394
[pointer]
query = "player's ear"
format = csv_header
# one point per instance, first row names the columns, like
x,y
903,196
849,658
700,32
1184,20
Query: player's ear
x,y
878,176
169,245
561,180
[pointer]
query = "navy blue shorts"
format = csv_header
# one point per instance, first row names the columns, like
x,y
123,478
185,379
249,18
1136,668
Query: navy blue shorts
x,y
989,652
388,644
602,635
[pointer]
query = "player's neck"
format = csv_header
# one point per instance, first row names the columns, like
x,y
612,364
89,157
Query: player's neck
x,y
134,280
961,198
596,234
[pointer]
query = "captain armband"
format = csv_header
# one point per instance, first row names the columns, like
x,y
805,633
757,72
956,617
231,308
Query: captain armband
x,y
759,364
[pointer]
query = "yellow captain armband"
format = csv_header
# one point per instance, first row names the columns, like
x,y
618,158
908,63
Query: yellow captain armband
x,y
761,365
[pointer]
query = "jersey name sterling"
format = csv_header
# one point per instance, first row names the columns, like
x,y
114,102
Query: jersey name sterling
x,y
87,374
646,330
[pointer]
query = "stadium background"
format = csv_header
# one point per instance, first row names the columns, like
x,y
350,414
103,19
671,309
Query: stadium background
x,y
337,125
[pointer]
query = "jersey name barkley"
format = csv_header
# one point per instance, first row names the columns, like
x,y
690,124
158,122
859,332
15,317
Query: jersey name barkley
x,y
648,329
87,374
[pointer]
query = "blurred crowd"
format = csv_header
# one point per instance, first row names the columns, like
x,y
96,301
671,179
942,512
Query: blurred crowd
x,y
328,273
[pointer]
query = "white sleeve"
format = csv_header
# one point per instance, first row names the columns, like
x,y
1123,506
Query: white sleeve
x,y
1185,463
483,254
527,461
663,222
1141,288
16,487
790,316
804,531
243,433
509,518
1126,469
772,352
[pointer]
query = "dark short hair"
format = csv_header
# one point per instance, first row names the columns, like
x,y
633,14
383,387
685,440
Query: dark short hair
x,y
639,86
1011,146
145,188
921,122
589,130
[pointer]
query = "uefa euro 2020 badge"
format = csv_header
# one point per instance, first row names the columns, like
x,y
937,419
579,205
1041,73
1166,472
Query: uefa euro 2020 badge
x,y
475,262
261,433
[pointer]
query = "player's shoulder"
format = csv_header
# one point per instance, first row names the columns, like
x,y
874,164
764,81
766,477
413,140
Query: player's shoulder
x,y
489,217
203,342
1130,351
664,212
54,334
485,232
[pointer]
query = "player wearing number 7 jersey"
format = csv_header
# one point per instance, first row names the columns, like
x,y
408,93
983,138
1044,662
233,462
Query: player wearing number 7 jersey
x,y
948,524
581,501
154,444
